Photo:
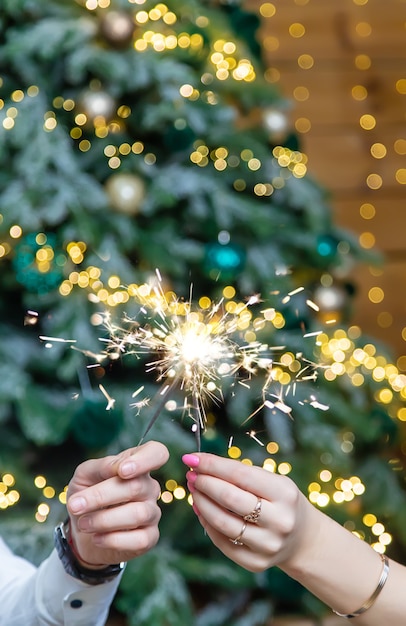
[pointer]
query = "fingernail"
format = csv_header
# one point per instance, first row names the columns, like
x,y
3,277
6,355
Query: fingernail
x,y
191,487
196,510
128,468
191,477
191,460
98,540
84,522
77,504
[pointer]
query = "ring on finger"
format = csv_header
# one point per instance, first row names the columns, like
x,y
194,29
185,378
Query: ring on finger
x,y
253,517
237,541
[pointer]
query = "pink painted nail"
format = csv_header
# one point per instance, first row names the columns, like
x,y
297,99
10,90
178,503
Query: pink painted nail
x,y
191,477
191,460
196,510
191,487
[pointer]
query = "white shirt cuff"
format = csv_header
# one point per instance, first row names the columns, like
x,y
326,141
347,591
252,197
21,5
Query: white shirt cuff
x,y
62,599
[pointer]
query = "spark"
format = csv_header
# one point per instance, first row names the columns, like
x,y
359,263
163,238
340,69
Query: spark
x,y
295,291
199,349
253,435
139,404
110,401
312,305
254,299
138,391
319,405
31,318
56,339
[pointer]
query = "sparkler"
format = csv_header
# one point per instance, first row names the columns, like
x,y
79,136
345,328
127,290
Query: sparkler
x,y
198,349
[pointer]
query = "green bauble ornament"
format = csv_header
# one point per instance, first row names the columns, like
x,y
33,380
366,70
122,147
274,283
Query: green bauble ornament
x,y
227,260
126,193
38,264
93,426
327,247
179,136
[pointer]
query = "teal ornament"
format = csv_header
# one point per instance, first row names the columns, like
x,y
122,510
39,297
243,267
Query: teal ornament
x,y
179,137
327,247
228,260
93,426
38,273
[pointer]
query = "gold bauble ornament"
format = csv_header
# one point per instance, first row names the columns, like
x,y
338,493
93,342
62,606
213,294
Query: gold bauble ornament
x,y
117,27
276,123
126,192
330,298
97,104
332,302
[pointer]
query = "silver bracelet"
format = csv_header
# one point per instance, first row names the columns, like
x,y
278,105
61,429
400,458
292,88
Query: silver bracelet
x,y
382,580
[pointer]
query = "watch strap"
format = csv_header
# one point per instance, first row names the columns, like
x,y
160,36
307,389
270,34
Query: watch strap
x,y
72,566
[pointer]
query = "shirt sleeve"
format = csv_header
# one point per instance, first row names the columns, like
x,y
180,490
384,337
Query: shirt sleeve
x,y
48,596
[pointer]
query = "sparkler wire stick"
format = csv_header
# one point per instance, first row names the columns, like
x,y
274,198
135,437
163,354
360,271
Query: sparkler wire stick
x,y
158,409
198,424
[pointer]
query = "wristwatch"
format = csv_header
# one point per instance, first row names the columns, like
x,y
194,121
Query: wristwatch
x,y
72,566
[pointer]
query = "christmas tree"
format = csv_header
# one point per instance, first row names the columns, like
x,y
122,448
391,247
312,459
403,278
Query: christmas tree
x,y
147,168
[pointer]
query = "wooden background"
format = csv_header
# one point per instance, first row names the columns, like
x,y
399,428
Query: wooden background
x,y
355,66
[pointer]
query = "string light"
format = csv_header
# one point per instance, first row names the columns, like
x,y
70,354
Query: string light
x,y
369,118
9,496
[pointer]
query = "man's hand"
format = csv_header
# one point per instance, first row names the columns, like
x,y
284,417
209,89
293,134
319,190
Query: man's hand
x,y
112,505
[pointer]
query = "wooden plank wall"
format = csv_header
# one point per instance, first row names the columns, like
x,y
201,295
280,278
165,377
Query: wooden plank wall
x,y
354,66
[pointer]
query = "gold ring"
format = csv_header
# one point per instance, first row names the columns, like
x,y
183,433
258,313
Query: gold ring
x,y
253,517
237,541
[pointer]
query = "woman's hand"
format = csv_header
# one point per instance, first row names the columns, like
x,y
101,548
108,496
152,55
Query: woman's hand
x,y
260,519
112,505
256,518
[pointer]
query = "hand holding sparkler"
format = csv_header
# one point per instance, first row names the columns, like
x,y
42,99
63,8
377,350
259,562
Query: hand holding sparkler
x,y
260,519
112,504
